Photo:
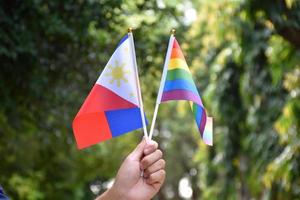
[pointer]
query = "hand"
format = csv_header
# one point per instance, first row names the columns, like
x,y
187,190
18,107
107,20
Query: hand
x,y
141,175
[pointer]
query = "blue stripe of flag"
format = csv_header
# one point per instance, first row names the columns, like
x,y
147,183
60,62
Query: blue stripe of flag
x,y
180,84
124,120
198,115
122,40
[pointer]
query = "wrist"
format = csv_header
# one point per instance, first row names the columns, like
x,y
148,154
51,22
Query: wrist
x,y
114,193
110,194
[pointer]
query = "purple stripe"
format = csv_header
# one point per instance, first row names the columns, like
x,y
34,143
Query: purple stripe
x,y
202,123
181,95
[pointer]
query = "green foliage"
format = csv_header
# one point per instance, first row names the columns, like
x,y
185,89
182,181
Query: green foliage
x,y
250,70
245,60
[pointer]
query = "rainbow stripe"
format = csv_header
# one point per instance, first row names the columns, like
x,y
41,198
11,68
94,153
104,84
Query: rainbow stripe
x,y
179,85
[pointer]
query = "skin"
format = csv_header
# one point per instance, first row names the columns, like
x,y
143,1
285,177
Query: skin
x,y
140,176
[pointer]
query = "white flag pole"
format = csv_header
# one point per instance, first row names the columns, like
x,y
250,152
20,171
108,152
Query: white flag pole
x,y
130,35
162,82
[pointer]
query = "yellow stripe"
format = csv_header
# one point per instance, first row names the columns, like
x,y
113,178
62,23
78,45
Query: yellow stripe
x,y
176,63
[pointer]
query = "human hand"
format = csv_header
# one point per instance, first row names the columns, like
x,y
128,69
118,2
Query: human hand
x,y
131,183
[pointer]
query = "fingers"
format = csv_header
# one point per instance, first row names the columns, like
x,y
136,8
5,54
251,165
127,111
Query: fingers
x,y
150,147
145,147
153,165
160,164
156,177
138,152
150,159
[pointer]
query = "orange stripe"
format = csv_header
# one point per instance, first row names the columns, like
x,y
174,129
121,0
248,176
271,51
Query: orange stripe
x,y
177,53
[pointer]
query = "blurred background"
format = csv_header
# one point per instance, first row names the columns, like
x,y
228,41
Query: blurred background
x,y
245,60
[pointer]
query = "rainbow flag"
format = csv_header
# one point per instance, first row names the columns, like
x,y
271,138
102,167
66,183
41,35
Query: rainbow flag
x,y
177,84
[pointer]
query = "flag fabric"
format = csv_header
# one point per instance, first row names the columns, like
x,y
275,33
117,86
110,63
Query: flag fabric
x,y
2,194
112,107
177,84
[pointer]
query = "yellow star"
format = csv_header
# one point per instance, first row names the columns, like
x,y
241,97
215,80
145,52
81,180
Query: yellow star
x,y
131,94
126,50
118,73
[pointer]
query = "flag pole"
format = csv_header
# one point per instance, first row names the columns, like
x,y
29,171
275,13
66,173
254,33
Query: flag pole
x,y
163,78
130,35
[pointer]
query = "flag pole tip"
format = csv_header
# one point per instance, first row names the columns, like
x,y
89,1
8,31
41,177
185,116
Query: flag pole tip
x,y
173,31
129,30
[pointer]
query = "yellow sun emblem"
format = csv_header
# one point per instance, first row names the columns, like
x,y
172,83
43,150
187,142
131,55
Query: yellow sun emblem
x,y
118,73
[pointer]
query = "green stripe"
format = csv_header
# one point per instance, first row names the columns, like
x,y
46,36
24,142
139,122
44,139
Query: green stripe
x,y
179,74
195,110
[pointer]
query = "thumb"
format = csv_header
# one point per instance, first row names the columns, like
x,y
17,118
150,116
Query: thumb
x,y
138,152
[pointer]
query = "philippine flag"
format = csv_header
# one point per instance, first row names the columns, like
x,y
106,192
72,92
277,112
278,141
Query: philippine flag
x,y
112,108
